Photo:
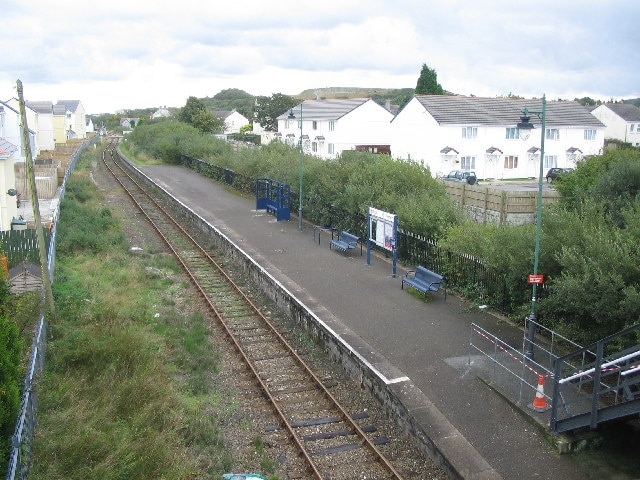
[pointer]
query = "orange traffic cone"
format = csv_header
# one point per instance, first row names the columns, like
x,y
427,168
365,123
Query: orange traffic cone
x,y
540,402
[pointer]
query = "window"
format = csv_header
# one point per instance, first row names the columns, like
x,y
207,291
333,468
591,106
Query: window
x,y
330,149
332,125
552,134
510,162
468,163
550,161
299,124
287,124
589,134
314,125
314,146
512,133
469,132
631,128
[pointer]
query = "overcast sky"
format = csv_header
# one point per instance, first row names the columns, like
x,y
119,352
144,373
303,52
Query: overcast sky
x,y
117,54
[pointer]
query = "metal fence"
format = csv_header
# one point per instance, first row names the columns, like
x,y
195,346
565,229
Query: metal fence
x,y
21,441
462,271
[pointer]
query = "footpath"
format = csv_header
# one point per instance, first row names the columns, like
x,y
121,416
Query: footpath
x,y
421,346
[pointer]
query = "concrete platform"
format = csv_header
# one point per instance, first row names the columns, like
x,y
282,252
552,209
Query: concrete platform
x,y
420,348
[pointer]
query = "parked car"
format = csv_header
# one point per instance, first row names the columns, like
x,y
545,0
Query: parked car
x,y
464,176
556,173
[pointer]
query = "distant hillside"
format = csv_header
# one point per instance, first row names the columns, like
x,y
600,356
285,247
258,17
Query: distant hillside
x,y
397,97
350,92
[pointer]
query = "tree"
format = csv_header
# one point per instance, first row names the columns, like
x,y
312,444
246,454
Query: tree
x,y
428,82
268,109
190,109
195,113
230,99
586,101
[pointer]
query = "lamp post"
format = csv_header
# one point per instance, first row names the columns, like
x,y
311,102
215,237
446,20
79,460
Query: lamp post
x,y
301,167
526,125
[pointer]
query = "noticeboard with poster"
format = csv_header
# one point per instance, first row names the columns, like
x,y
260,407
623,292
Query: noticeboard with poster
x,y
383,231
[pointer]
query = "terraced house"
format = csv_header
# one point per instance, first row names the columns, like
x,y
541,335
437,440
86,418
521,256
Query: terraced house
x,y
446,132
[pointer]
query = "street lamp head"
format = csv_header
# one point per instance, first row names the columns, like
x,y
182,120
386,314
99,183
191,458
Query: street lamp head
x,y
524,126
525,123
291,115
12,192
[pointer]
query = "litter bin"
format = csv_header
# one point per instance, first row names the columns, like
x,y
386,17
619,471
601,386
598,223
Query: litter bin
x,y
18,224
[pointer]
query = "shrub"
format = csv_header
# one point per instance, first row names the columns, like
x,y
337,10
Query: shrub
x,y
11,349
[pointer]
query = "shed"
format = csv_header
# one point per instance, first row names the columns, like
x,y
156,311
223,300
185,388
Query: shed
x,y
25,277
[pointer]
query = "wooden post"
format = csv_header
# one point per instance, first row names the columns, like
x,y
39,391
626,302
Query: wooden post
x,y
46,281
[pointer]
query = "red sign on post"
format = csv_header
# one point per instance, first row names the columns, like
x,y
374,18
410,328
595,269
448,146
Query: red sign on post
x,y
538,278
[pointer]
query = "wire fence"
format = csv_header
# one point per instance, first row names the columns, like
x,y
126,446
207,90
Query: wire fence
x,y
462,271
21,442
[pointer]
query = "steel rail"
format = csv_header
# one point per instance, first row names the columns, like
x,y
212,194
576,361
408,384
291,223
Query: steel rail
x,y
355,428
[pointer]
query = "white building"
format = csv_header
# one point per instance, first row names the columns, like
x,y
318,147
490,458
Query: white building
x,y
329,127
233,120
12,151
75,119
622,121
43,125
162,112
445,132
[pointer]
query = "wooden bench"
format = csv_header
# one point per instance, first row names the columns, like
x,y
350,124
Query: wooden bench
x,y
424,280
345,242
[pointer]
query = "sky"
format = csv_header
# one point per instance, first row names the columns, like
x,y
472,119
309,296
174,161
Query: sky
x,y
116,54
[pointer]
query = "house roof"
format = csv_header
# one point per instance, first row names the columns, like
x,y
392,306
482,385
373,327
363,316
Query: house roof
x,y
40,106
4,105
71,105
328,109
460,110
224,114
221,114
627,111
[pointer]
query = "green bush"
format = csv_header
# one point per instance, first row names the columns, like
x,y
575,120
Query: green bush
x,y
11,351
98,229
598,210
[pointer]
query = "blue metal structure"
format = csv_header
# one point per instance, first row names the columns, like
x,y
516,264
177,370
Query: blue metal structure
x,y
274,197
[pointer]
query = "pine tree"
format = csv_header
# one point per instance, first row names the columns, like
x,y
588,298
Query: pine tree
x,y
428,82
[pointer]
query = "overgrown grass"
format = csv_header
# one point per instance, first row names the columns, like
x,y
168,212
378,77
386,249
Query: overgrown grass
x,y
127,390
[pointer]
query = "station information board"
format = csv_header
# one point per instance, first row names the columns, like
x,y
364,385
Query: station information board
x,y
383,232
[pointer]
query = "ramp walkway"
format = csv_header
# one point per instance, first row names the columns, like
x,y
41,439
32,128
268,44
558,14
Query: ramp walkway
x,y
419,346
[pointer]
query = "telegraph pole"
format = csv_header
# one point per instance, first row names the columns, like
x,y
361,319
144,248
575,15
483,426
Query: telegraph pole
x,y
31,180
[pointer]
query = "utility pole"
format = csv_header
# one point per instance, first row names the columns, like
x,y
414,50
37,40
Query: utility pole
x,y
31,180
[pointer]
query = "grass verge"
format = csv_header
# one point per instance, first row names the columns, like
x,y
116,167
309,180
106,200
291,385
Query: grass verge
x,y
128,388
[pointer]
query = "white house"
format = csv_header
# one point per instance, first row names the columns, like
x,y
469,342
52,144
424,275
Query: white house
x,y
233,120
43,124
75,123
12,151
8,206
40,120
162,112
446,132
622,121
330,126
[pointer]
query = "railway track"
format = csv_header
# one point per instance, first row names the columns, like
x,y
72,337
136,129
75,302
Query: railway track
x,y
325,441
